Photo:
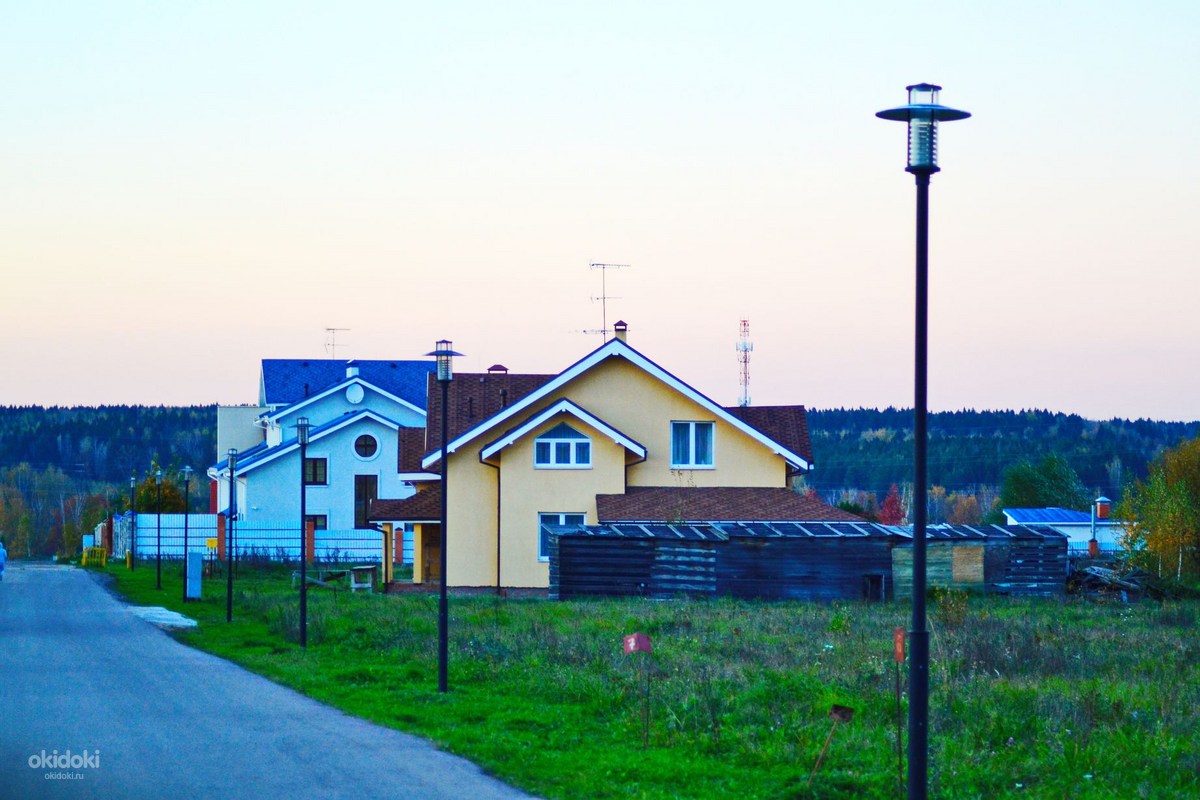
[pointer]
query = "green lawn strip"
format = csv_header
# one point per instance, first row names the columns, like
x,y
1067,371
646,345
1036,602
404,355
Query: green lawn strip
x,y
1029,698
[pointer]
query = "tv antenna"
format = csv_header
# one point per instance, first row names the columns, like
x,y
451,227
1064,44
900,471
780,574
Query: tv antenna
x,y
744,347
331,340
604,296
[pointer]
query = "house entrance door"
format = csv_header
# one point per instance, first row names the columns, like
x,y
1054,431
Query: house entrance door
x,y
366,489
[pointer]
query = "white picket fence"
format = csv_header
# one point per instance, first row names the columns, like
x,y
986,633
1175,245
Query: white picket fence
x,y
275,540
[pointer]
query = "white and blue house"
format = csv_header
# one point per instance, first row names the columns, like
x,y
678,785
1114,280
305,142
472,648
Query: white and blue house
x,y
355,410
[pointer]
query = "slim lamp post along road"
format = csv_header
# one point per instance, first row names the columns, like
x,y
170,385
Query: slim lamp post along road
x,y
922,115
187,485
133,519
444,353
158,528
302,437
229,534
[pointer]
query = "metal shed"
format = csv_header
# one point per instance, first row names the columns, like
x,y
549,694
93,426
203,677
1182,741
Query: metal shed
x,y
766,560
996,559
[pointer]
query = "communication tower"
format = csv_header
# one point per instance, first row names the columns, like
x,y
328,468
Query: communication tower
x,y
744,347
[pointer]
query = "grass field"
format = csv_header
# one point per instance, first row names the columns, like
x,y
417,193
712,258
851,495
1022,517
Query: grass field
x,y
1029,698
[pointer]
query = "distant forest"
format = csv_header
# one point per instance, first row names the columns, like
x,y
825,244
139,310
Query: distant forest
x,y
858,448
106,443
870,450
62,470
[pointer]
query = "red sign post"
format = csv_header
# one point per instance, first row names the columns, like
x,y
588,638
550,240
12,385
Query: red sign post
x,y
640,643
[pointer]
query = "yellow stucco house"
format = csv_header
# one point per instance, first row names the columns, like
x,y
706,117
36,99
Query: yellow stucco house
x,y
615,434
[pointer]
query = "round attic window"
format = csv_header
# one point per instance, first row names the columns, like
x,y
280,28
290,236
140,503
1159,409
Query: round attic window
x,y
354,394
366,446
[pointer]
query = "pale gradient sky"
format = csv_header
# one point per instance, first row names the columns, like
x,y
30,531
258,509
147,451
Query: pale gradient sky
x,y
187,188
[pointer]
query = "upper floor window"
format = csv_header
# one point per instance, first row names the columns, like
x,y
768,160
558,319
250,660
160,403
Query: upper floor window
x,y
366,446
316,471
562,447
691,445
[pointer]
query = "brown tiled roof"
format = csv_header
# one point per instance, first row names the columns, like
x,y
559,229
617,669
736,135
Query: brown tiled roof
x,y
715,504
473,397
787,425
412,448
423,506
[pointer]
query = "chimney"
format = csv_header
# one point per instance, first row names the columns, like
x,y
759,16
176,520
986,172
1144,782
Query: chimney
x,y
619,330
497,369
352,369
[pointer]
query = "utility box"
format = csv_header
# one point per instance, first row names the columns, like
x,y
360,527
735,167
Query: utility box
x,y
195,569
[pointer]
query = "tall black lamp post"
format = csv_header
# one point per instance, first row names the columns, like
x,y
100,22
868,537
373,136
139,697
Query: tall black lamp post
x,y
229,543
444,353
133,519
922,114
187,484
302,428
158,528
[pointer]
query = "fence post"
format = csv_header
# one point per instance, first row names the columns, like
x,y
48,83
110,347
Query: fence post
x,y
310,534
221,537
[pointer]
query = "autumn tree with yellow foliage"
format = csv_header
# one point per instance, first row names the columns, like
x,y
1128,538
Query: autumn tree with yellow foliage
x,y
1163,513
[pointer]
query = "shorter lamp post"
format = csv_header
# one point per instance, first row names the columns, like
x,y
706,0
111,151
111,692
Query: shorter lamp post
x,y
444,353
158,528
187,482
133,519
302,429
229,544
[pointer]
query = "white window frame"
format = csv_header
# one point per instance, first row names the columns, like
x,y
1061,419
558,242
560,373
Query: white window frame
x,y
544,555
573,447
691,444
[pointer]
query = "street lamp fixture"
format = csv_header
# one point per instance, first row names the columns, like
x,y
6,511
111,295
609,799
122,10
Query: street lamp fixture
x,y
158,527
923,113
187,483
302,429
229,542
444,353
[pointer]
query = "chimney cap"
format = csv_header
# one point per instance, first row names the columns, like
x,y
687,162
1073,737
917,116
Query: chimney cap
x,y
497,369
620,330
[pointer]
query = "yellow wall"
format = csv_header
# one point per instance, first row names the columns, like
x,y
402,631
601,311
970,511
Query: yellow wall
x,y
526,492
621,395
641,407
472,508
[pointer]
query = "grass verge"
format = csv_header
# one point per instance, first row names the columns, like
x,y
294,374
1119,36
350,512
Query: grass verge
x,y
1028,698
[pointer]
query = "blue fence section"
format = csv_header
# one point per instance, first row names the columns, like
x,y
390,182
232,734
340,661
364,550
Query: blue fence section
x,y
275,540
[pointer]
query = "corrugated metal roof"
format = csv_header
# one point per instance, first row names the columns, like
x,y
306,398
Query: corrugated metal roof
x,y
1025,516
982,532
727,530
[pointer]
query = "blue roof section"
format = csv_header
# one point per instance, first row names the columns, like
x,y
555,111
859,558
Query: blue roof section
x,y
249,458
1044,516
288,380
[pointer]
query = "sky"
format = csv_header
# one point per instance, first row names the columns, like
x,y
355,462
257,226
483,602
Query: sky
x,y
188,188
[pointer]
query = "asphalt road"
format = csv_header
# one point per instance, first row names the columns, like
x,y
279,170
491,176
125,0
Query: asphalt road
x,y
155,719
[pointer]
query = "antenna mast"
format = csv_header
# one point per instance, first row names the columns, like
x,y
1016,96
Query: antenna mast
x,y
331,340
744,347
604,296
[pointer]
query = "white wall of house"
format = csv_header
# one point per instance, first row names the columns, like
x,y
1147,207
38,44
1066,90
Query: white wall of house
x,y
235,428
272,490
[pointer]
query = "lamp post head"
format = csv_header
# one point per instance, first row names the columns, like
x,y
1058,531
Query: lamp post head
x,y
444,353
302,427
922,114
232,460
187,475
133,480
158,477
